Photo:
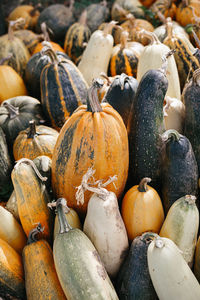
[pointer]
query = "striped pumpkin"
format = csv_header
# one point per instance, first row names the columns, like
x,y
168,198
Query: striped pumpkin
x,y
29,38
76,38
124,58
63,89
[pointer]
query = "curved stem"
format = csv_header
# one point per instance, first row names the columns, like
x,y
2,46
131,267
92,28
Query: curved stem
x,y
45,32
171,134
109,27
51,53
106,77
190,199
64,226
14,24
83,18
31,163
169,27
196,77
93,104
33,233
149,35
32,130
123,78
161,16
143,184
124,38
12,110
4,59
165,60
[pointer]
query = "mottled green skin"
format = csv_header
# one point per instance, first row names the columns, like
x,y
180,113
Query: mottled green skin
x,y
34,69
133,280
191,99
79,268
146,125
121,95
179,171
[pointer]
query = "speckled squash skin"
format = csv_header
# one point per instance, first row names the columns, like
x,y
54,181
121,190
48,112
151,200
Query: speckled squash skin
x,y
179,169
146,124
133,280
11,272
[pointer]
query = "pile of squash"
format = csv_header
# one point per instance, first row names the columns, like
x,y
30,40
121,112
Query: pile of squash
x,y
100,151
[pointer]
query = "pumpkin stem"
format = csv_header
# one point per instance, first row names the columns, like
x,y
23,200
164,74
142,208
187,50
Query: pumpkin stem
x,y
123,78
169,27
148,237
4,59
12,110
13,25
120,10
50,52
159,243
165,61
196,77
33,233
109,27
171,134
102,74
160,16
45,32
64,225
123,40
190,199
93,104
32,130
31,163
143,184
131,20
149,35
65,207
83,18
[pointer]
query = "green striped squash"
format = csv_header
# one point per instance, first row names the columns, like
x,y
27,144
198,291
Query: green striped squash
x,y
63,89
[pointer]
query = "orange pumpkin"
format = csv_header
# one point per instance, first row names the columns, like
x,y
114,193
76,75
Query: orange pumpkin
x,y
94,136
186,12
166,7
142,210
29,13
11,83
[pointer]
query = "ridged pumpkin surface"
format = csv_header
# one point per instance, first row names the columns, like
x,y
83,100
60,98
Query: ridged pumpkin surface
x,y
87,139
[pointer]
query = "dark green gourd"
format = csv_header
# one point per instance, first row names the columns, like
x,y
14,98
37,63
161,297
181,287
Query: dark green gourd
x,y
179,168
78,265
121,94
133,281
146,125
191,99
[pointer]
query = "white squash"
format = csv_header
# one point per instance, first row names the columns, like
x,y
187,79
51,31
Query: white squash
x,y
105,228
151,58
181,226
174,114
11,231
171,276
97,54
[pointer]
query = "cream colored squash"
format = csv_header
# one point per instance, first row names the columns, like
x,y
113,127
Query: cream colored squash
x,y
171,276
96,57
181,226
151,58
174,114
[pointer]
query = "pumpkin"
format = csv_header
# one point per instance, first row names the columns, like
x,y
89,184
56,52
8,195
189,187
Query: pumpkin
x,y
142,209
11,83
171,276
179,168
133,280
29,13
80,146
97,13
35,141
179,228
76,38
186,12
166,7
38,260
104,226
33,71
53,45
131,6
124,57
63,89
15,114
9,44
11,272
11,231
174,114
58,19
80,270
93,63
32,198
29,38
5,168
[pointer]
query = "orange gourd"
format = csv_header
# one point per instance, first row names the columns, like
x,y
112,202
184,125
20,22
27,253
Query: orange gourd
x,y
41,279
186,12
94,136
29,13
11,83
142,210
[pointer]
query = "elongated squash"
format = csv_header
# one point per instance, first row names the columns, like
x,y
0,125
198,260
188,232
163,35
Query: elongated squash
x,y
93,62
133,280
181,226
174,114
11,272
179,168
11,206
32,198
11,231
104,226
151,58
79,268
41,280
171,276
